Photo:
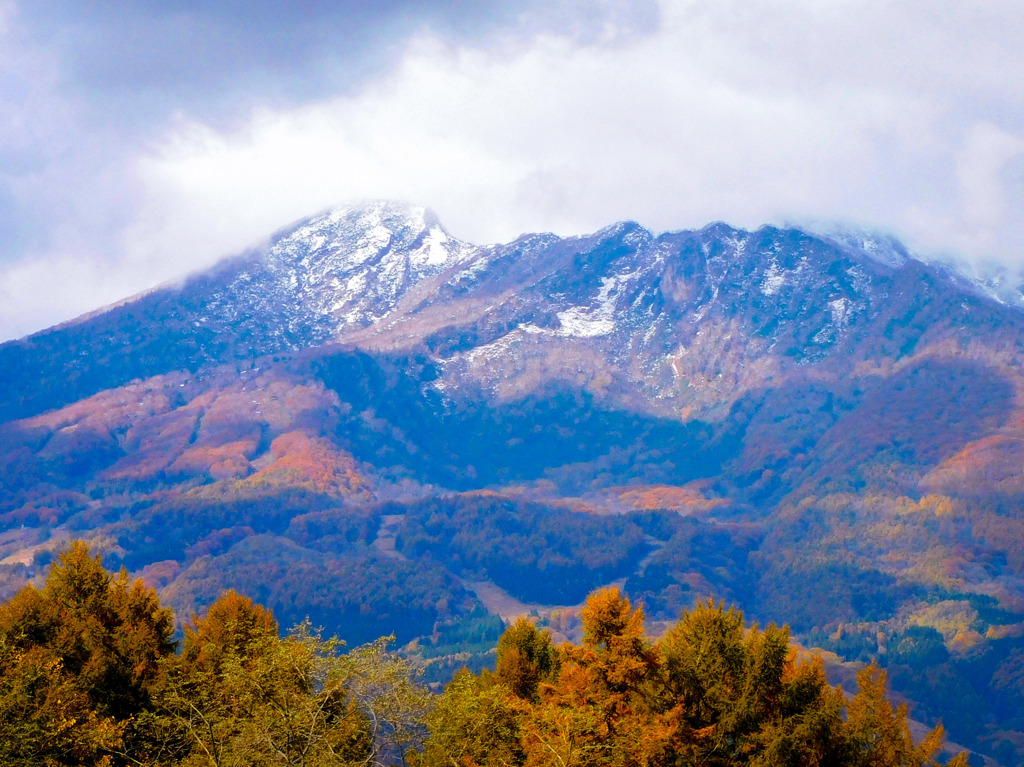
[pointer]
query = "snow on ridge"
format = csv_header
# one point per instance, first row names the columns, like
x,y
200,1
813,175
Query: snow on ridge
x,y
996,282
774,279
584,322
881,248
345,267
475,265
576,322
887,251
434,246
840,310
398,242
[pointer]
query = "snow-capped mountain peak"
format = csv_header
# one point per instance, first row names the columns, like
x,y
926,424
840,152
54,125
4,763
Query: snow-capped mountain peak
x,y
342,269
345,239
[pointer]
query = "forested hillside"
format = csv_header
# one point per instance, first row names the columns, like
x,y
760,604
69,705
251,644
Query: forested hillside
x,y
90,674
821,429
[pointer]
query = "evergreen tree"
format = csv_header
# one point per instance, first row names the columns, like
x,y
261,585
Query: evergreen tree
x,y
241,695
525,658
879,735
475,724
79,662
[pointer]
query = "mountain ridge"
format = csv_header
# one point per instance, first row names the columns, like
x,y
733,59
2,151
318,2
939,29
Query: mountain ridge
x,y
278,299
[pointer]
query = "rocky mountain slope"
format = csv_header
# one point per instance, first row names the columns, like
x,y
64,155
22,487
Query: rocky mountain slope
x,y
369,417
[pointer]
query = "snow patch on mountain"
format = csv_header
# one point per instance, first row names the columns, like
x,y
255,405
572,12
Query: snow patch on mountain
x,y
881,248
840,309
582,324
774,279
587,322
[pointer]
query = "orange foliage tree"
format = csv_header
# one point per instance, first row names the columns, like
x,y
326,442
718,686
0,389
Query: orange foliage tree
x,y
80,663
710,692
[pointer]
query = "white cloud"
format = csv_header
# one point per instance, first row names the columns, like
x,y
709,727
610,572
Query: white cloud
x,y
746,112
980,164
893,114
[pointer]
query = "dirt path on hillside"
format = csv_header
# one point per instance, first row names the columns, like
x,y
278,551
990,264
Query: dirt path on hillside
x,y
385,540
508,608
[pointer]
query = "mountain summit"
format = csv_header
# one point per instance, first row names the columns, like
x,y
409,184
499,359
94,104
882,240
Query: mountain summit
x,y
368,416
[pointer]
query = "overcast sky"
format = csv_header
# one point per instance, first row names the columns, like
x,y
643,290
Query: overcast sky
x,y
143,140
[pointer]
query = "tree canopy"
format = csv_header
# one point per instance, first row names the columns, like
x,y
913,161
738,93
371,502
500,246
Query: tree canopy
x,y
90,674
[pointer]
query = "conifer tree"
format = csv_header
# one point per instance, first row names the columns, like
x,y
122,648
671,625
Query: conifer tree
x,y
525,658
879,735
79,662
741,697
598,709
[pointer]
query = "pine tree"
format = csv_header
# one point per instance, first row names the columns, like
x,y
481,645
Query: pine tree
x,y
525,658
79,662
879,735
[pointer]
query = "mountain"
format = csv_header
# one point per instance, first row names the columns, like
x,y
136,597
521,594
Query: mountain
x,y
368,417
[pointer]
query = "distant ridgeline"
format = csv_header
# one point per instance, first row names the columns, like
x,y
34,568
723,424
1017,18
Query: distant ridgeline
x,y
90,675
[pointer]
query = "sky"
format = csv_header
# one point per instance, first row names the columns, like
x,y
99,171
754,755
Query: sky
x,y
143,141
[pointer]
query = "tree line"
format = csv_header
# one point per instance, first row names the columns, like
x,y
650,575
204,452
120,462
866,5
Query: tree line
x,y
90,673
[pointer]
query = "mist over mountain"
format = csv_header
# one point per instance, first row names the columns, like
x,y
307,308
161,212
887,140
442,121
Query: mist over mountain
x,y
369,418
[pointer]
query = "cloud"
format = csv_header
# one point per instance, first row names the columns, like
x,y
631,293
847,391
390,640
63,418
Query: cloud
x,y
87,89
217,55
748,112
901,115
981,163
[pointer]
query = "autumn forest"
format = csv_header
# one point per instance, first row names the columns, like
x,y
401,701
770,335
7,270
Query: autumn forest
x,y
91,673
